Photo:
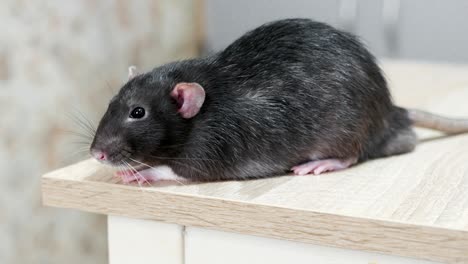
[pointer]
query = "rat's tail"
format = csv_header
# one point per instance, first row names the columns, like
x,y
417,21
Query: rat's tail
x,y
437,122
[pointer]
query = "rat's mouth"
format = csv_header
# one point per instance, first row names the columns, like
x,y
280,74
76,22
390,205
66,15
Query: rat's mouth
x,y
120,162
126,165
117,158
133,166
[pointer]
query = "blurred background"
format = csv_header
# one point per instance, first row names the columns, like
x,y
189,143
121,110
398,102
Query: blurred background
x,y
62,60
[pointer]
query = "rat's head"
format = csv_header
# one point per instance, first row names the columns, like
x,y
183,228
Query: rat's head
x,y
146,116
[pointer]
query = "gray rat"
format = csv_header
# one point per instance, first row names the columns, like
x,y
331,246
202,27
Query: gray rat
x,y
292,94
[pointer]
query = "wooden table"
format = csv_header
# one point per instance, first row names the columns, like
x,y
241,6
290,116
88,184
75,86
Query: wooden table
x,y
411,208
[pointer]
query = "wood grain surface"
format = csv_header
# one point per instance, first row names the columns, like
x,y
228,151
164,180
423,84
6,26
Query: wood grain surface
x,y
413,205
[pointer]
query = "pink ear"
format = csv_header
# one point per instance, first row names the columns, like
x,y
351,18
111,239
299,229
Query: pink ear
x,y
189,97
132,72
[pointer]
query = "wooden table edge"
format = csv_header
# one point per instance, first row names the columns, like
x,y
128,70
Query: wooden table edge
x,y
373,235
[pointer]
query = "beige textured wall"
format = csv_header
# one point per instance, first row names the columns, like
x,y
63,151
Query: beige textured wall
x,y
57,57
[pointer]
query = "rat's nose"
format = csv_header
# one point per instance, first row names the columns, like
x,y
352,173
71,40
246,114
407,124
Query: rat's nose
x,y
99,154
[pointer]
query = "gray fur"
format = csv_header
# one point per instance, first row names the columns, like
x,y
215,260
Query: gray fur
x,y
285,92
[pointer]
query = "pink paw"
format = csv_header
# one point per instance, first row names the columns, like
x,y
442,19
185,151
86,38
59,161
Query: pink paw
x,y
319,166
129,176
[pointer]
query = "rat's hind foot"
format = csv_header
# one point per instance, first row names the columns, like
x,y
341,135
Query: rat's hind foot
x,y
159,173
319,166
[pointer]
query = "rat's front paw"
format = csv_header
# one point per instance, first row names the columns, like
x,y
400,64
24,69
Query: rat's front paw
x,y
159,173
129,176
317,167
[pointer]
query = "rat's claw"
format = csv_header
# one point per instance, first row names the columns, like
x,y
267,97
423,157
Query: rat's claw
x,y
129,176
160,173
141,177
300,170
317,167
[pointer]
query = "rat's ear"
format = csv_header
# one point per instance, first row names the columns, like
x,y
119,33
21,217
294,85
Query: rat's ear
x,y
189,97
132,72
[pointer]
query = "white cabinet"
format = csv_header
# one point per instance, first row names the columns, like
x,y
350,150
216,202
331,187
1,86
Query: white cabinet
x,y
203,246
135,241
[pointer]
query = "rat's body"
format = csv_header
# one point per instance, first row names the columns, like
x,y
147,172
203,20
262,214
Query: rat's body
x,y
292,94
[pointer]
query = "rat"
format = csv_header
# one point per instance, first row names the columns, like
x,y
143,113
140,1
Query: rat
x,y
291,95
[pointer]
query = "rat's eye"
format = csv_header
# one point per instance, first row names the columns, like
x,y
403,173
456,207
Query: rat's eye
x,y
137,112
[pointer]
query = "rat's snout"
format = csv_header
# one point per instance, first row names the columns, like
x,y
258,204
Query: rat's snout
x,y
110,151
99,154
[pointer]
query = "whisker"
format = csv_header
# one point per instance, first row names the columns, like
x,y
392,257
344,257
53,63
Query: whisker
x,y
175,160
82,143
85,123
88,122
78,134
123,169
144,164
136,179
87,130
80,153
77,119
109,87
134,170
82,149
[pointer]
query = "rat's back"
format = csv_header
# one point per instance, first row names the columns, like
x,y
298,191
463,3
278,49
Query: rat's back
x,y
318,69
289,95
298,46
301,90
